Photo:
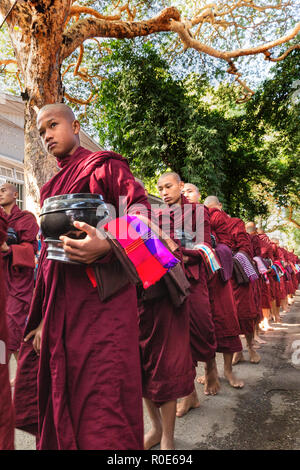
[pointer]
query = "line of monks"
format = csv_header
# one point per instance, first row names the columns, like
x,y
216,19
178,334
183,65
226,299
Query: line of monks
x,y
86,362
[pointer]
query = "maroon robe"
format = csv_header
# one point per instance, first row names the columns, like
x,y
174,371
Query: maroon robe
x,y
19,264
275,285
6,408
283,285
224,311
294,276
89,375
202,328
259,284
167,368
289,281
266,253
243,293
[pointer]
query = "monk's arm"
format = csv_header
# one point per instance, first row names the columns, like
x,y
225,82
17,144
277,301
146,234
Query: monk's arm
x,y
116,183
3,228
37,333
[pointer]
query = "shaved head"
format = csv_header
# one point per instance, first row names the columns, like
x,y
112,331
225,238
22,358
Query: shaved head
x,y
10,187
8,196
212,201
58,129
191,192
169,174
250,227
60,108
191,186
170,186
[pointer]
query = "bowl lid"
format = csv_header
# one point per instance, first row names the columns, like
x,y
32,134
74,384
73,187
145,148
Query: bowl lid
x,y
65,202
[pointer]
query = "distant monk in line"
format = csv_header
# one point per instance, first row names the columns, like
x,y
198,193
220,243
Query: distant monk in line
x,y
191,192
202,330
243,292
167,368
221,294
259,286
19,263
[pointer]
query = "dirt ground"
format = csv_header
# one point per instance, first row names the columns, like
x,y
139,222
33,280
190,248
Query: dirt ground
x,y
264,415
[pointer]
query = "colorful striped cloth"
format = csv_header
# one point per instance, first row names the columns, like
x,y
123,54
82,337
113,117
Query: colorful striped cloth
x,y
280,268
151,258
209,257
276,272
260,264
247,266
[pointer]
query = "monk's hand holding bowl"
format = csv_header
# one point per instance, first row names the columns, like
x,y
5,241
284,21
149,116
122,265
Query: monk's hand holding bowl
x,y
4,247
88,249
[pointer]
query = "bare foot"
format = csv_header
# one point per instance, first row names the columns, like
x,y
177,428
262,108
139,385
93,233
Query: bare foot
x,y
152,438
212,384
12,382
254,356
259,340
233,381
201,380
187,403
256,346
167,444
237,357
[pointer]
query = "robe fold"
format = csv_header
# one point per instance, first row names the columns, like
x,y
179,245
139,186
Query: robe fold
x,y
6,408
283,283
202,328
222,301
84,391
258,285
19,263
275,285
267,288
167,369
243,293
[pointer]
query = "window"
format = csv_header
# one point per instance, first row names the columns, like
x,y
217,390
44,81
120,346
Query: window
x,y
16,177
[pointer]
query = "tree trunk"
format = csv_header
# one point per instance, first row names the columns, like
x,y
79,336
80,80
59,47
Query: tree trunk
x,y
36,30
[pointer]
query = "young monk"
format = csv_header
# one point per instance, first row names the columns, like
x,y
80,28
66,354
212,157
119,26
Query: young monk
x,y
6,409
191,192
202,332
275,284
168,372
266,253
258,285
85,349
243,293
221,294
18,259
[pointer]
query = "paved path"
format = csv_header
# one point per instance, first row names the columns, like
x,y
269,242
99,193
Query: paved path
x,y
264,415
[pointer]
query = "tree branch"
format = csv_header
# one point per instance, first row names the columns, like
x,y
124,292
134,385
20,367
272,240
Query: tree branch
x,y
89,28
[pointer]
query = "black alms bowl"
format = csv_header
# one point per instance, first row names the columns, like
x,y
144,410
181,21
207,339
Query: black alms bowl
x,y
59,212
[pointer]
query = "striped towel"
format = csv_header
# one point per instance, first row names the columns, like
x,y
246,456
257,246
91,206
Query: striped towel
x,y
247,266
260,264
275,269
151,258
209,257
280,268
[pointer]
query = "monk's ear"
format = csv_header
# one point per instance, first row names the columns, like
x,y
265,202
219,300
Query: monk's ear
x,y
76,126
181,185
